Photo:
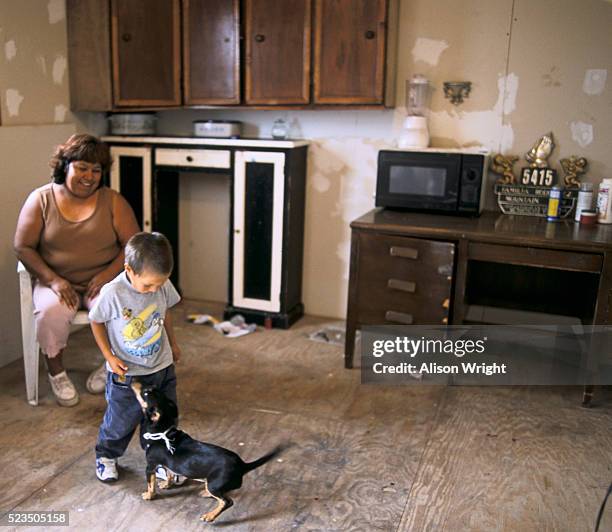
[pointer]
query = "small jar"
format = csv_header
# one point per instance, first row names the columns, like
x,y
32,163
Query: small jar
x,y
279,129
585,199
588,217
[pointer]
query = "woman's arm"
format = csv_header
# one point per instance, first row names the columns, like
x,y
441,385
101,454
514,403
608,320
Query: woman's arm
x,y
125,225
25,244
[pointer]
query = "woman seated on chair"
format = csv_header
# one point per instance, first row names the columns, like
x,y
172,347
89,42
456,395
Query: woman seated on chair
x,y
70,236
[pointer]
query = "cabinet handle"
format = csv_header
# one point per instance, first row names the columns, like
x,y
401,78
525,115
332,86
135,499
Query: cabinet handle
x,y
260,38
189,159
407,253
446,303
370,34
398,317
404,286
126,37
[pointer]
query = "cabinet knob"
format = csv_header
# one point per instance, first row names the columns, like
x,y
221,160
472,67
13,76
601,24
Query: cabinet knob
x,y
444,321
147,223
126,37
260,38
189,159
446,303
370,34
237,231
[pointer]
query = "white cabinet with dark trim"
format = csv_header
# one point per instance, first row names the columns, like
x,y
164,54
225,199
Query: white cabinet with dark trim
x,y
266,219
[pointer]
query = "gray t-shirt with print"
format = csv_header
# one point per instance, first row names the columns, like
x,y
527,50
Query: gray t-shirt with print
x,y
135,323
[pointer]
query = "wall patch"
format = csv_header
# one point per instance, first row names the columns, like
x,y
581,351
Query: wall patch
x,y
57,11
594,81
13,101
10,50
428,50
60,113
59,69
582,133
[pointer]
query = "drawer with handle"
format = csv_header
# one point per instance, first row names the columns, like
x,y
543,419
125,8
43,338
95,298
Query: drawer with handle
x,y
404,280
193,158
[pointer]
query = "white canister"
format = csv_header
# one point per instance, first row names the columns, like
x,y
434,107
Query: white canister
x,y
585,199
604,202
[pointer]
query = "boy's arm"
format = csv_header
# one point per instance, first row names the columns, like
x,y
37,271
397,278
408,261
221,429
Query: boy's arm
x,y
101,336
176,350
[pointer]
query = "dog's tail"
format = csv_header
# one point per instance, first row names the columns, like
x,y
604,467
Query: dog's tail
x,y
249,466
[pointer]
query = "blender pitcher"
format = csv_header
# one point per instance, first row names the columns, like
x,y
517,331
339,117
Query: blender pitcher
x,y
415,133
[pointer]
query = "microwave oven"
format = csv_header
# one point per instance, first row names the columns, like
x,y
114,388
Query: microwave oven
x,y
432,180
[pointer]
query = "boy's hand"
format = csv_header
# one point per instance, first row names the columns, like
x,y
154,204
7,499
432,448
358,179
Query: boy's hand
x,y
117,365
176,353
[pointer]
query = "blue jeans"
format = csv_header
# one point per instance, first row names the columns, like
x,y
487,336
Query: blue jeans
x,y
123,413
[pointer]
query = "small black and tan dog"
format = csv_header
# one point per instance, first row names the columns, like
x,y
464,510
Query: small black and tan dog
x,y
220,469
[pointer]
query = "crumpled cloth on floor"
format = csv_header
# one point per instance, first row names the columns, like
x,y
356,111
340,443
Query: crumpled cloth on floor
x,y
235,327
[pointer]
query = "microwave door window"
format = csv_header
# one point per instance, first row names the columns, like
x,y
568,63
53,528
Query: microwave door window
x,y
417,181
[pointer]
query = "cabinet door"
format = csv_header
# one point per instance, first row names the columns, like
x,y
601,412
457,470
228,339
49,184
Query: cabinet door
x,y
131,176
258,230
146,52
211,51
277,36
350,38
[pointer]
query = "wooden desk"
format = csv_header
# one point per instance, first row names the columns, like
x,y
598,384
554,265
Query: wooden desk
x,y
414,268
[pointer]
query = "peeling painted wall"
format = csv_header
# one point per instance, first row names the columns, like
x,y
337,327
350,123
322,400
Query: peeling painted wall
x,y
535,66
34,118
33,64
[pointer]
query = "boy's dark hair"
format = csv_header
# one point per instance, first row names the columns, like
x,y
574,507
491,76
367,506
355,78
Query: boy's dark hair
x,y
81,147
151,252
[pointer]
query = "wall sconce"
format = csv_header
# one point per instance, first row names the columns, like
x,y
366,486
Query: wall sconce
x,y
457,91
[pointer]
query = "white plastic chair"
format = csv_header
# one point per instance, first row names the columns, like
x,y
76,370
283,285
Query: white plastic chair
x,y
31,348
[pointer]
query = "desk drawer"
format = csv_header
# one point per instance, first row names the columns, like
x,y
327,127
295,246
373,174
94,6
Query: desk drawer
x,y
193,158
536,257
404,280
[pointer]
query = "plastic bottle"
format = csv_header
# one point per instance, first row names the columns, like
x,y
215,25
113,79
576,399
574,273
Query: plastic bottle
x,y
604,202
585,199
554,204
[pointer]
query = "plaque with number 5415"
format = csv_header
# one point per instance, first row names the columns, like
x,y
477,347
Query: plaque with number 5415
x,y
541,177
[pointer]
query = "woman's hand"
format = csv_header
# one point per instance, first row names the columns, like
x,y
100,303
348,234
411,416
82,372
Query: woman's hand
x,y
97,282
117,365
67,295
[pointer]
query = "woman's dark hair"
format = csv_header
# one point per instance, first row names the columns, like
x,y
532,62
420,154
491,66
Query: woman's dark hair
x,y
81,147
151,252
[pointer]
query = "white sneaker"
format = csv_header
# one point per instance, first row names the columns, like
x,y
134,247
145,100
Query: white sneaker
x,y
106,469
96,382
63,389
160,474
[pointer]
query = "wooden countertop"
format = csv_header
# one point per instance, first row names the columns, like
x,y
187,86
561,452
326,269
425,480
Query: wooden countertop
x,y
491,227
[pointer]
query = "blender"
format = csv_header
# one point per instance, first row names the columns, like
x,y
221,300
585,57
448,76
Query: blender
x,y
415,133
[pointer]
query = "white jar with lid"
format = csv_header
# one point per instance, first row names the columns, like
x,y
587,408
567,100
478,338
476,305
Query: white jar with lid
x,y
585,199
604,201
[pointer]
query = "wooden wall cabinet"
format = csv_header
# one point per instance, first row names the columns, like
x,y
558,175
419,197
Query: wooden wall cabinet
x,y
131,54
350,45
146,53
277,44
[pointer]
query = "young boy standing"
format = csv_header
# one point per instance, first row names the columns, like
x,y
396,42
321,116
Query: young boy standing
x,y
132,327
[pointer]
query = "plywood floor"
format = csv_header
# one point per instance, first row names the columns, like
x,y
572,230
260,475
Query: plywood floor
x,y
363,457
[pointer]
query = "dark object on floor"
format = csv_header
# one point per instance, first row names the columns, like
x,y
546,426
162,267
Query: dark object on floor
x,y
220,469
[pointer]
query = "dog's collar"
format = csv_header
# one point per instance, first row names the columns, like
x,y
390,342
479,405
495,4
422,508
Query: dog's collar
x,y
161,436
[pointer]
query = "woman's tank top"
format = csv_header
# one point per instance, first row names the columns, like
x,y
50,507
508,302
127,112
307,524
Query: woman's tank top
x,y
78,250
